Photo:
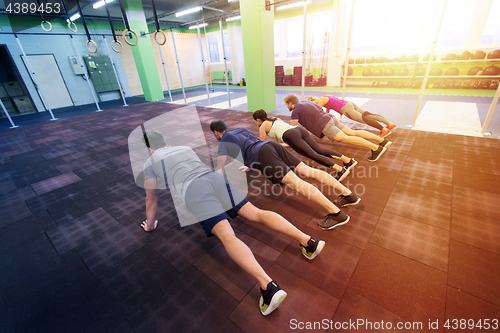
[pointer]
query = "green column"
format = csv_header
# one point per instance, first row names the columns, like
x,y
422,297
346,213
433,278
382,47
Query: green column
x,y
257,29
143,52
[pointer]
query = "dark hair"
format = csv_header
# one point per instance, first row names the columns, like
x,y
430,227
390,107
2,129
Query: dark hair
x,y
262,115
154,140
218,126
292,98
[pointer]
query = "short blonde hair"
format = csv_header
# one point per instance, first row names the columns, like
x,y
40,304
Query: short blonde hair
x,y
310,98
292,98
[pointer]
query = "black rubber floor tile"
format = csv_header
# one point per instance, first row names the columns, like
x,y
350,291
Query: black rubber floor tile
x,y
34,264
73,233
109,248
54,183
190,303
182,246
14,211
64,310
122,290
23,230
40,203
124,187
7,186
30,175
75,205
98,180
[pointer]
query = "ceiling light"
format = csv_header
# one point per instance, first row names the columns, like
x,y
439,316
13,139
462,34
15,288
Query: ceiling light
x,y
200,25
74,17
292,5
100,3
233,18
188,11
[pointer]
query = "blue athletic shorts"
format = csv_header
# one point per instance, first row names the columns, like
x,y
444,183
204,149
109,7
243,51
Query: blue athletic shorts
x,y
211,199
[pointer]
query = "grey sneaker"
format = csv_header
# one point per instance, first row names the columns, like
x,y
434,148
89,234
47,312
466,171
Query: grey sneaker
x,y
340,176
351,199
333,220
313,248
351,164
377,153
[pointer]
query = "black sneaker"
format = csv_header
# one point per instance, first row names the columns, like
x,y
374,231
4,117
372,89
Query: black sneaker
x,y
333,220
351,164
271,298
377,153
340,176
313,248
385,143
351,199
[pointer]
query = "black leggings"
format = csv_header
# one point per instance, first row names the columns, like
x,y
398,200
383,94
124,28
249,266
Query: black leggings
x,y
302,142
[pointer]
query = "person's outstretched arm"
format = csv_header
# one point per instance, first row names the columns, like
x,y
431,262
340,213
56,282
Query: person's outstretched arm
x,y
221,162
151,204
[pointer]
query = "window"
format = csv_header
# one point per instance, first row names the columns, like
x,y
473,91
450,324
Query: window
x,y
456,23
276,40
294,32
213,48
226,47
491,32
320,29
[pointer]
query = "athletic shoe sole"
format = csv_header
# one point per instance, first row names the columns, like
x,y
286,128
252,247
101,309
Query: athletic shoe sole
x,y
336,225
382,153
345,174
319,248
393,127
385,136
352,166
351,203
388,144
278,297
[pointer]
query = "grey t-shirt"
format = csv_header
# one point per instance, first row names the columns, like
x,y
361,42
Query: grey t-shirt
x,y
311,116
182,166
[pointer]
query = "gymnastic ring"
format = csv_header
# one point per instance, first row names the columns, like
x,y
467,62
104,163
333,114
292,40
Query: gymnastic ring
x,y
164,37
124,34
50,25
88,48
69,26
119,43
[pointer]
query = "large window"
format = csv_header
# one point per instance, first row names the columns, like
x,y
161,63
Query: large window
x,y
294,33
456,23
320,28
317,26
276,40
491,32
213,48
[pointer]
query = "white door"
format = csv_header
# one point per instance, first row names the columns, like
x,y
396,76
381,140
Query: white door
x,y
50,80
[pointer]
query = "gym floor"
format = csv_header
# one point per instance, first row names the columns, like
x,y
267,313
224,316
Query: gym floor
x,y
421,246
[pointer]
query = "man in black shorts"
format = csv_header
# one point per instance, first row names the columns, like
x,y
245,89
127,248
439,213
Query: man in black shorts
x,y
279,166
213,201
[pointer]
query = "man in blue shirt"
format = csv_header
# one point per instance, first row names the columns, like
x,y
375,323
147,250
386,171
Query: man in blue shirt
x,y
213,201
280,166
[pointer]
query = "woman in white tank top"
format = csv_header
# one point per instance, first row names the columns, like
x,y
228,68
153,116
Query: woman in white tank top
x,y
301,141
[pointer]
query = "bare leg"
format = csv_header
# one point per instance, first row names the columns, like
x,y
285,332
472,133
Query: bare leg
x,y
322,177
350,111
373,116
309,191
354,140
240,253
362,134
273,221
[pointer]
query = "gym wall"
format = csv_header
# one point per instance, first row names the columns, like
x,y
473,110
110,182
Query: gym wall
x,y
61,47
